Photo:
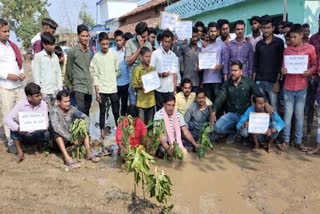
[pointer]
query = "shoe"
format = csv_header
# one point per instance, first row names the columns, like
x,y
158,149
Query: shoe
x,y
231,139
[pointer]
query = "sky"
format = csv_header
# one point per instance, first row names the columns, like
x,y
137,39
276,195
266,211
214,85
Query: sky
x,y
66,12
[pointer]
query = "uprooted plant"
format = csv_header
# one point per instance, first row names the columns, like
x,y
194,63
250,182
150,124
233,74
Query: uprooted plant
x,y
155,130
205,142
78,132
177,152
137,161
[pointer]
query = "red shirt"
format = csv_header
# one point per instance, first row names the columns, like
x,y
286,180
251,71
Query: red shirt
x,y
140,130
296,82
315,41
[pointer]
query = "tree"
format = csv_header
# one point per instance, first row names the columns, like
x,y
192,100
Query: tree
x,y
85,17
24,17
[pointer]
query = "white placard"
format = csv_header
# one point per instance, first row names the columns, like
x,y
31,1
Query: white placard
x,y
168,20
296,64
183,29
258,123
170,63
207,60
150,81
32,121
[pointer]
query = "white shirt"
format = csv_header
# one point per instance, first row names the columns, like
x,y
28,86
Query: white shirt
x,y
36,38
8,65
252,39
47,72
231,35
167,84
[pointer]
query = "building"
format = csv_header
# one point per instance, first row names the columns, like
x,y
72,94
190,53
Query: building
x,y
148,12
109,9
298,11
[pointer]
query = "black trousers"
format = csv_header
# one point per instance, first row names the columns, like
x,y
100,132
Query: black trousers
x,y
83,102
114,105
160,97
123,95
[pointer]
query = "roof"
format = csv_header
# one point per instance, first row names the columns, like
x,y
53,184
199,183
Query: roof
x,y
151,22
144,7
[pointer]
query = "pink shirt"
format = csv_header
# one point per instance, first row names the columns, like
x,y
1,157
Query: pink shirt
x,y
296,82
23,105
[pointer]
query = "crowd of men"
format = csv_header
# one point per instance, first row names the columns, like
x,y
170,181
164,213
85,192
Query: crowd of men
x,y
249,76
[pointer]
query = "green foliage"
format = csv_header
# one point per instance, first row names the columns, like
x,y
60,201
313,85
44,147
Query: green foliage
x,y
25,17
85,17
177,153
205,143
79,132
155,129
159,186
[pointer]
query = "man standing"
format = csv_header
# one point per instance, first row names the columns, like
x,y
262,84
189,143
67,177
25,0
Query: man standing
x,y
11,74
78,74
133,48
295,87
268,62
123,78
239,49
255,29
225,35
189,55
236,93
212,78
168,78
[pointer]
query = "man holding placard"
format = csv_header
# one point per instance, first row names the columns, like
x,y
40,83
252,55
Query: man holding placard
x,y
28,120
189,55
166,64
299,63
262,126
212,76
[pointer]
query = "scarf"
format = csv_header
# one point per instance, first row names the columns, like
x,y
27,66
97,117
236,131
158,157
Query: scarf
x,y
17,53
176,129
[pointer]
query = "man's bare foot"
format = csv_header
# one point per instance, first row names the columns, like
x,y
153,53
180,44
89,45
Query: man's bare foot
x,y
72,164
19,158
255,149
269,149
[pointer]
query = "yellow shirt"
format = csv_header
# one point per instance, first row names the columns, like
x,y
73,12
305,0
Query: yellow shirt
x,y
182,104
144,100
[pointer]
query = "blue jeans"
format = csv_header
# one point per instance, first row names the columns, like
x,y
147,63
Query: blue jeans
x,y
132,95
294,102
318,129
226,124
266,88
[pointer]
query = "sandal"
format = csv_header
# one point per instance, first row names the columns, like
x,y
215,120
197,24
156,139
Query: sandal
x,y
282,146
301,147
94,159
313,151
72,165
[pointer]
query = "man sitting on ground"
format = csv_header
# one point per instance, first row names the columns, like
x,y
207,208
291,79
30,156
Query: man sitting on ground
x,y
174,124
32,103
62,116
186,97
275,126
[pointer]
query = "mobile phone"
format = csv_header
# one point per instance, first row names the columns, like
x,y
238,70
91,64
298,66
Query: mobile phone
x,y
138,37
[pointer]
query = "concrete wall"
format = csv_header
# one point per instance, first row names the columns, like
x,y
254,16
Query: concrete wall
x,y
245,10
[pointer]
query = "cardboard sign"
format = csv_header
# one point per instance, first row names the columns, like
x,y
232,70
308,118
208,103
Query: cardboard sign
x,y
32,121
258,123
150,81
168,20
296,64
